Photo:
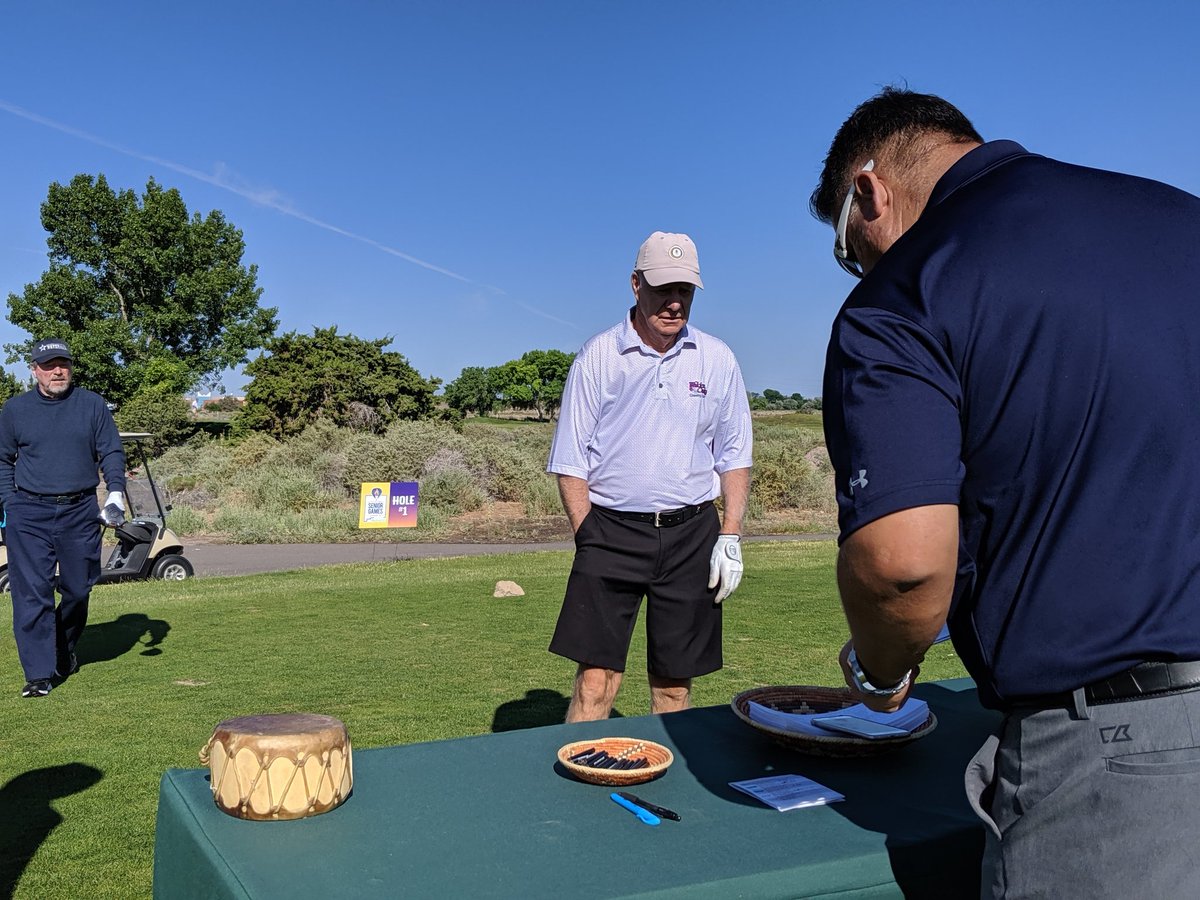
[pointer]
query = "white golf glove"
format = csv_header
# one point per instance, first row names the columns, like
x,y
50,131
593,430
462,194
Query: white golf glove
x,y
113,513
725,565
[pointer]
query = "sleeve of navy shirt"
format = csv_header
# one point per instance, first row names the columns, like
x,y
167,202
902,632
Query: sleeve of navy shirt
x,y
891,401
8,456
109,452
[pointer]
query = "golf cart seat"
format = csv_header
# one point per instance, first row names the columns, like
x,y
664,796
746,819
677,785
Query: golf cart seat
x,y
132,533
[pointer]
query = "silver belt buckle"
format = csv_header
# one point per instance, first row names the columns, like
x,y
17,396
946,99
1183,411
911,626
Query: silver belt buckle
x,y
656,522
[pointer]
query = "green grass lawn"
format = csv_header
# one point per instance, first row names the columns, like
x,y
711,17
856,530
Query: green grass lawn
x,y
405,651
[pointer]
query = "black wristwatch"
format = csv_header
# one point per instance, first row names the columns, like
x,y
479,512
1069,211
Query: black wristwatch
x,y
865,687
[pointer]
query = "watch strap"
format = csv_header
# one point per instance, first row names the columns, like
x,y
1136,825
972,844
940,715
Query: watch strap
x,y
865,687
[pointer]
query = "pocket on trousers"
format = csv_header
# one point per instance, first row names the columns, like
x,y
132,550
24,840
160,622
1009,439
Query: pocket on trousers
x,y
979,780
584,524
1184,761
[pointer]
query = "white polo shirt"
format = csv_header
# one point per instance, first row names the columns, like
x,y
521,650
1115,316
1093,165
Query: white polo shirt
x,y
650,432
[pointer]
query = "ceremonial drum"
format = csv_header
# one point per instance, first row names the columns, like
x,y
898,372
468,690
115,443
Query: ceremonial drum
x,y
279,766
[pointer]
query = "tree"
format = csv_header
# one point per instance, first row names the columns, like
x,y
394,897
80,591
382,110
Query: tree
x,y
163,414
472,391
10,386
135,280
535,381
350,381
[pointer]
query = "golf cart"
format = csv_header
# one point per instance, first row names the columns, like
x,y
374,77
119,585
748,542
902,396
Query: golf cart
x,y
146,547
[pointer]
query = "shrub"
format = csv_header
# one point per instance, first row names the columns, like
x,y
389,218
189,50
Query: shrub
x,y
452,490
227,403
306,488
284,487
354,382
248,525
320,449
514,461
247,452
400,454
791,471
166,416
542,498
210,465
184,521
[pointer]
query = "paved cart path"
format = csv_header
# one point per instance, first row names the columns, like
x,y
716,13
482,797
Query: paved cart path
x,y
249,559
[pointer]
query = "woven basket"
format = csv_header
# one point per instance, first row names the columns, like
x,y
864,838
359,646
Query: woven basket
x,y
657,755
807,699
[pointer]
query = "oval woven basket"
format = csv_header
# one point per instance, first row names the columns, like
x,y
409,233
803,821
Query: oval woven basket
x,y
658,757
809,699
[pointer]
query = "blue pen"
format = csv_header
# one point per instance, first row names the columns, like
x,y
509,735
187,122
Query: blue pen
x,y
648,817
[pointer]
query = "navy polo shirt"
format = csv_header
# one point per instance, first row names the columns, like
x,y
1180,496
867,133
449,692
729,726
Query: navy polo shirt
x,y
1030,351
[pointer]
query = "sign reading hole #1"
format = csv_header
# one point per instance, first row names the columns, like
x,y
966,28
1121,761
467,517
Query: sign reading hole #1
x,y
388,504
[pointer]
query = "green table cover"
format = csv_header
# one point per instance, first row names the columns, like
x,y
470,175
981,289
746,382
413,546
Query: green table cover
x,y
496,816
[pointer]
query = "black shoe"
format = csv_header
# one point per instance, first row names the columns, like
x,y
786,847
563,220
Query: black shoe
x,y
64,670
39,688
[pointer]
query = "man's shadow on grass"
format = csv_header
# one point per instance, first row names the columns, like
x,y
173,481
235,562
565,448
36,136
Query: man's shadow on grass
x,y
27,815
538,707
104,641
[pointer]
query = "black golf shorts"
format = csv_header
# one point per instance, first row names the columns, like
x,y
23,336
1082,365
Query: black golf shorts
x,y
617,563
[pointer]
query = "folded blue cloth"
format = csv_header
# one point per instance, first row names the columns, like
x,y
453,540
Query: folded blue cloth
x,y
907,718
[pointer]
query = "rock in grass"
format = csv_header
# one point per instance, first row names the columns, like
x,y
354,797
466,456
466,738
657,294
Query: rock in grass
x,y
508,589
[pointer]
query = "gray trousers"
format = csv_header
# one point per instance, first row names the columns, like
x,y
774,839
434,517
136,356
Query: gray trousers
x,y
1092,802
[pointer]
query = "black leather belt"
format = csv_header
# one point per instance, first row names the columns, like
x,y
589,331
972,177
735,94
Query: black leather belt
x,y
61,499
1148,679
668,518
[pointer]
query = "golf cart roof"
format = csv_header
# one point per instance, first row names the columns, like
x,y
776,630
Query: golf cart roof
x,y
136,435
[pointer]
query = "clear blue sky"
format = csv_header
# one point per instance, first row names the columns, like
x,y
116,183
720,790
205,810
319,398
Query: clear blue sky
x,y
474,178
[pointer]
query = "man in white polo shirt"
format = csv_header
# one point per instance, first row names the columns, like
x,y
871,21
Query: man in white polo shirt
x,y
654,426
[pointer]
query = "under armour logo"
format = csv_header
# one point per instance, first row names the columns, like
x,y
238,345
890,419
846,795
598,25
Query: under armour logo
x,y
860,481
1114,734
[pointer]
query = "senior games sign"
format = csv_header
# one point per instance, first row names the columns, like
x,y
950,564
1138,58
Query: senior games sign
x,y
388,504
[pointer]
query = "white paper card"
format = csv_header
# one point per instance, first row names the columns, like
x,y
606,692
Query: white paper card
x,y
787,791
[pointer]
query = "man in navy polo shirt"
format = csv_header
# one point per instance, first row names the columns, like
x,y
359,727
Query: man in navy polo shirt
x,y
654,426
54,440
1011,410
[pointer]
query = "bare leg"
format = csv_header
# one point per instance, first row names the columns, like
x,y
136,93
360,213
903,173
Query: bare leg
x,y
668,695
593,695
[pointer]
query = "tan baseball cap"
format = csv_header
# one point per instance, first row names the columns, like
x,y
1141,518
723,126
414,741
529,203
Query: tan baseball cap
x,y
666,258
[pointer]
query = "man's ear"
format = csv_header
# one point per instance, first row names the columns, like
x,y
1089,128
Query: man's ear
x,y
874,196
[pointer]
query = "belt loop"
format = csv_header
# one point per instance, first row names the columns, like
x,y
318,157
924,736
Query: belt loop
x,y
656,522
1079,699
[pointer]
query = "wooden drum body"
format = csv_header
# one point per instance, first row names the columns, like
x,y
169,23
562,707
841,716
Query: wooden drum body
x,y
279,766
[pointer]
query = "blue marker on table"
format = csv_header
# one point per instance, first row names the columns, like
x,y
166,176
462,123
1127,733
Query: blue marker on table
x,y
645,815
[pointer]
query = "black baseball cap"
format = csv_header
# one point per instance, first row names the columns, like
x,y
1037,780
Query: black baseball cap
x,y
50,348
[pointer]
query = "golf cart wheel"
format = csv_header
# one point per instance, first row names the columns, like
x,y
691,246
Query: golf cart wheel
x,y
173,568
4,582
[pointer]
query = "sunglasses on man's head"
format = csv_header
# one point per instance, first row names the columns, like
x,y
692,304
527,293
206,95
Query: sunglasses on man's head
x,y
841,250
